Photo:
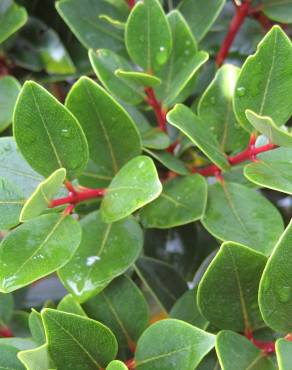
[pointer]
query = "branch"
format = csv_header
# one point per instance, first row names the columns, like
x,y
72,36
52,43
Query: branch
x,y
130,364
131,4
241,13
160,113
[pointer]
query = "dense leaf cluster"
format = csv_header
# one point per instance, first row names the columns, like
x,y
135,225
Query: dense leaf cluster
x,y
142,189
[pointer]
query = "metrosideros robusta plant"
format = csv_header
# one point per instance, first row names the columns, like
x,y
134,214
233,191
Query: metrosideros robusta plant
x,y
145,185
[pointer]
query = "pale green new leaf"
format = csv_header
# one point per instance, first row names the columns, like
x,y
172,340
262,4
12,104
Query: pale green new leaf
x,y
36,249
70,305
172,344
148,36
134,186
116,365
42,196
36,358
47,134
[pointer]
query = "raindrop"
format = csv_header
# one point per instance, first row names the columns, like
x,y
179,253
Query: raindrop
x,y
240,91
65,132
162,55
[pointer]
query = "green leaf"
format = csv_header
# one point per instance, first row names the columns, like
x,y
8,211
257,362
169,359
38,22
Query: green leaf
x,y
19,343
87,21
104,123
6,308
154,138
11,202
235,350
265,81
106,251
183,200
36,249
169,161
171,345
116,365
194,128
272,170
105,63
70,305
9,90
163,282
44,193
77,342
186,309
183,63
134,186
122,307
284,352
266,126
148,36
15,169
8,358
215,109
12,17
47,134
275,294
278,10
140,78
201,14
237,213
36,358
233,278
36,327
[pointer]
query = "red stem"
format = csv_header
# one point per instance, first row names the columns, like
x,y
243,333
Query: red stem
x,y
131,4
160,113
6,332
130,364
241,13
265,347
78,196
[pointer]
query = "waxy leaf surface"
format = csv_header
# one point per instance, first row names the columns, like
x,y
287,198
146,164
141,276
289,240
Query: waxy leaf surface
x,y
116,365
70,305
283,352
9,90
36,358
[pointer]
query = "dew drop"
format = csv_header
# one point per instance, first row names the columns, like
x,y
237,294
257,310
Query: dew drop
x,y
284,294
187,52
66,132
188,42
162,55
240,91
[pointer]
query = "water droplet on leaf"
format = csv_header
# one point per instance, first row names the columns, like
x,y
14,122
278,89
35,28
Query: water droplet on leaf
x,y
162,55
66,132
240,91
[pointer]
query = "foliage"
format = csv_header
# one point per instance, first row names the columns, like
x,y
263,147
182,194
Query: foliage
x,y
145,184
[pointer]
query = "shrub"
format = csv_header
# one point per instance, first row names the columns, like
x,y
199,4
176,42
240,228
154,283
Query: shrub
x,y
126,168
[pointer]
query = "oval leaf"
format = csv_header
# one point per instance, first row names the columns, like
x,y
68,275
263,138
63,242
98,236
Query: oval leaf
x,y
9,90
284,352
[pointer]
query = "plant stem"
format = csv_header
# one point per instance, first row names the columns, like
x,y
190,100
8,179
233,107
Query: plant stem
x,y
6,332
130,364
265,347
4,67
241,13
77,196
160,113
131,4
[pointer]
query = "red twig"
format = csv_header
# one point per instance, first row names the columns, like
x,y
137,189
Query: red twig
x,y
160,113
130,364
4,67
241,13
265,347
131,4
6,332
77,196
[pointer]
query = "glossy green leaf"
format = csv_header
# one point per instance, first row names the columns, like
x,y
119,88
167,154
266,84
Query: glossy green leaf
x,y
215,109
105,63
42,196
275,294
47,134
265,81
134,186
169,161
233,278
11,202
9,90
8,358
201,14
121,307
171,345
272,170
265,125
76,342
148,36
106,251
278,10
15,169
183,200
104,123
36,327
140,78
252,219
235,351
194,128
6,308
186,309
154,138
70,305
116,365
36,249
183,63
87,21
163,282
12,17
36,358
284,353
